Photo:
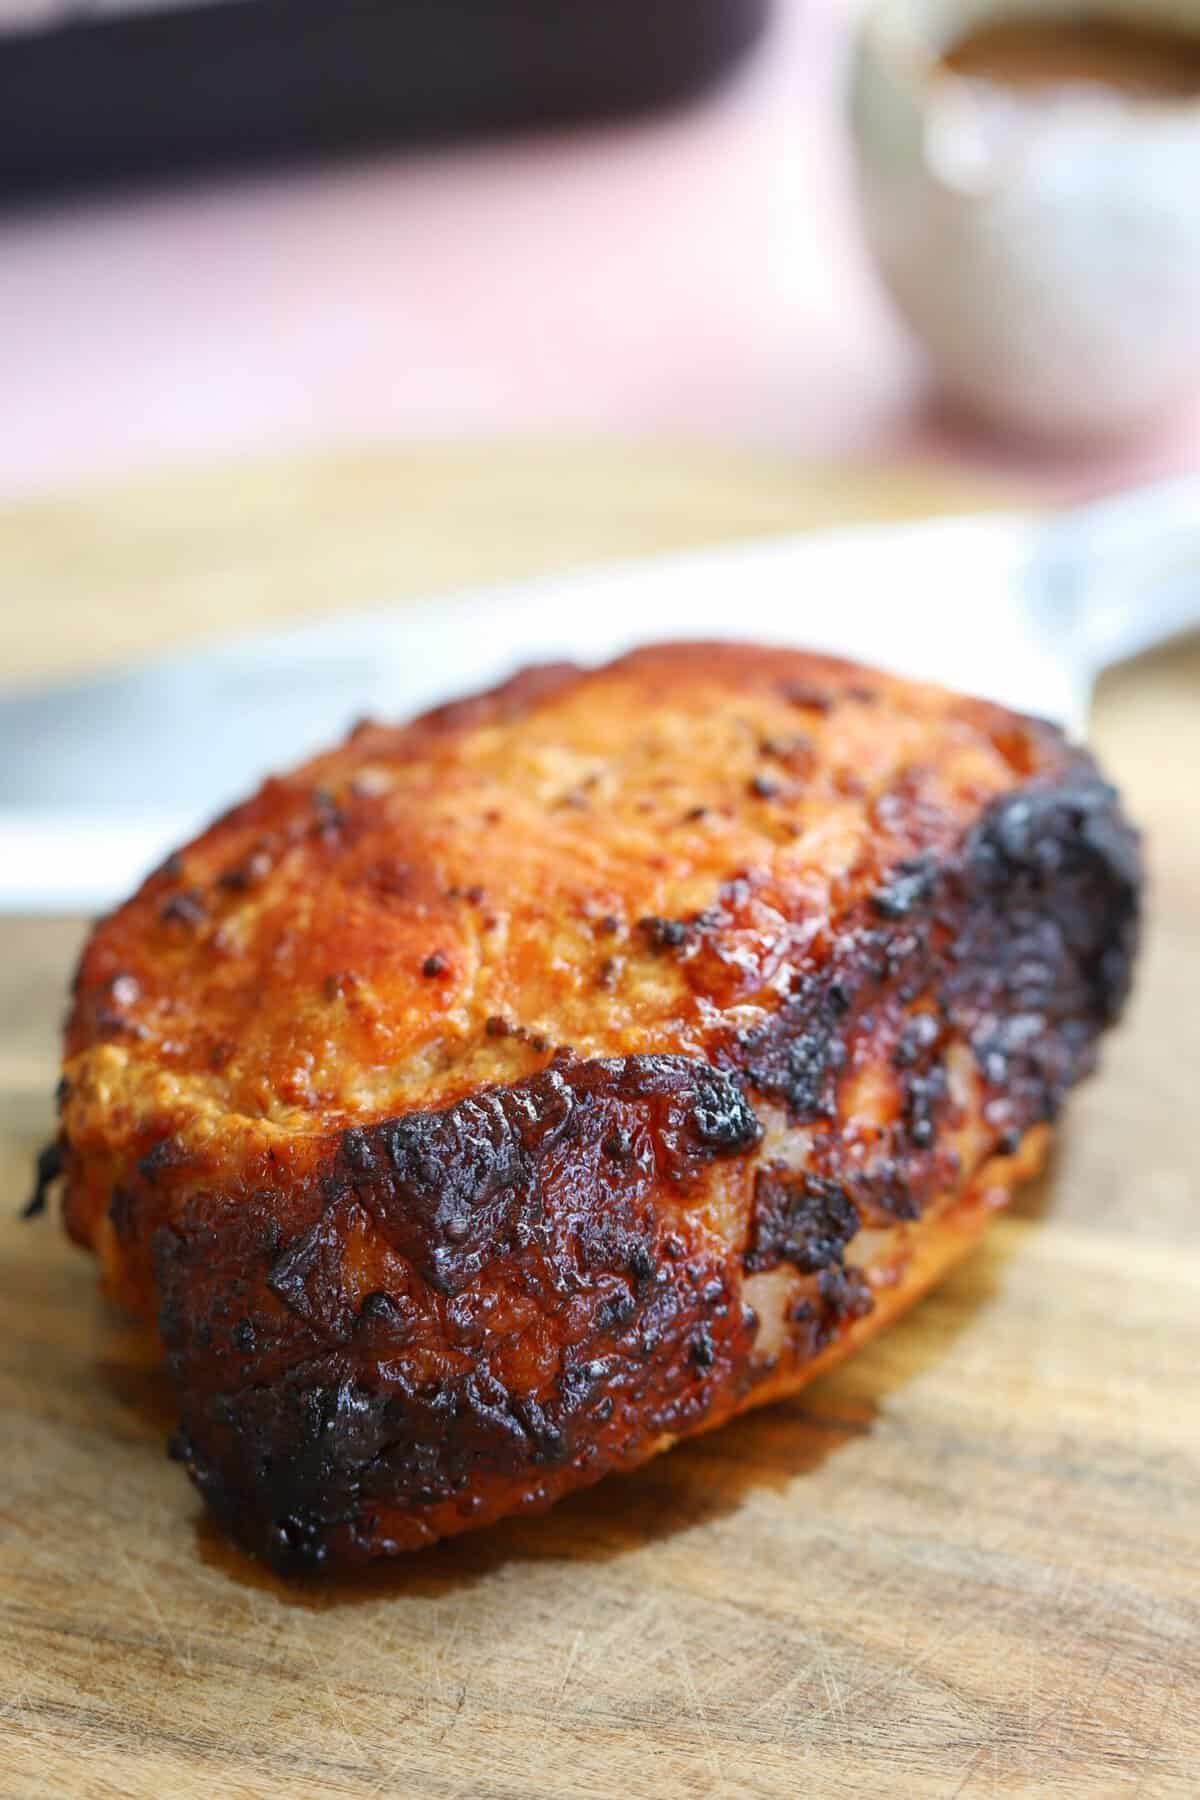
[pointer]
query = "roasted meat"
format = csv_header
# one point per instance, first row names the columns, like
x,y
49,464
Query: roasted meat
x,y
503,1096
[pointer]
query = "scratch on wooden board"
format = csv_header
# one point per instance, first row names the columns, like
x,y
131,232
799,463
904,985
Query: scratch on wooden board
x,y
878,1597
451,1637
777,1698
42,1741
985,1612
633,1622
16,1683
300,1632
425,1680
1069,1699
443,1690
553,1709
684,1664
1169,1704
1085,1704
154,1612
836,1710
973,1762
455,1716
400,1770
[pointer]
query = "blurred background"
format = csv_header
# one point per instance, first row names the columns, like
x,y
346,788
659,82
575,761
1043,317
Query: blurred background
x,y
214,244
309,309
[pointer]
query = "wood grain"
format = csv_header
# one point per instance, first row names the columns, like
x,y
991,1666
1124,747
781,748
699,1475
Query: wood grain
x,y
135,568
968,1563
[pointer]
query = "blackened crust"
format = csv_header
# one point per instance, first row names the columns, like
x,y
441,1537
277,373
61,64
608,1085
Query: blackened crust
x,y
1051,887
410,1275
520,1209
47,1170
453,1190
521,1214
1021,944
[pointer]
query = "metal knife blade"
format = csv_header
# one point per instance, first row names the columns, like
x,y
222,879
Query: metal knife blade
x,y
101,777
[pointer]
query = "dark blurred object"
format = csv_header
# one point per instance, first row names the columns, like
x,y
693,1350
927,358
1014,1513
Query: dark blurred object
x,y
90,92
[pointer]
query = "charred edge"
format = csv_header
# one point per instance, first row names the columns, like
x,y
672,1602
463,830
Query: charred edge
x,y
795,1055
451,1188
122,1214
289,1464
293,1466
838,1297
806,1220
1069,851
296,1468
1024,942
48,1167
912,885
166,1153
845,1296
665,934
1050,885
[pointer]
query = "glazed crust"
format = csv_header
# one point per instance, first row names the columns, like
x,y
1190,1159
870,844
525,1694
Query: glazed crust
x,y
501,1097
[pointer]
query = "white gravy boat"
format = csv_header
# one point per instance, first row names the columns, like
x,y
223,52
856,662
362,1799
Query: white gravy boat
x,y
1052,272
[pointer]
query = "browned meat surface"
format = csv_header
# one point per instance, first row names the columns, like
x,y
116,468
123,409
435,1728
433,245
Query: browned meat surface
x,y
503,1096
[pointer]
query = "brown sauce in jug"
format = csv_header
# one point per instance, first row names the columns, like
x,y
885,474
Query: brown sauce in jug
x,y
1042,57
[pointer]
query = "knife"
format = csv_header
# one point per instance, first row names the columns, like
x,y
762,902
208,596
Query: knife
x,y
101,777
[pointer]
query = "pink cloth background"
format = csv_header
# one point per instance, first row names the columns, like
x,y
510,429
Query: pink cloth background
x,y
699,275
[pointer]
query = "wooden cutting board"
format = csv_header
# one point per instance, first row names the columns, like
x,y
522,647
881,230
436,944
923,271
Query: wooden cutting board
x,y
967,1563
